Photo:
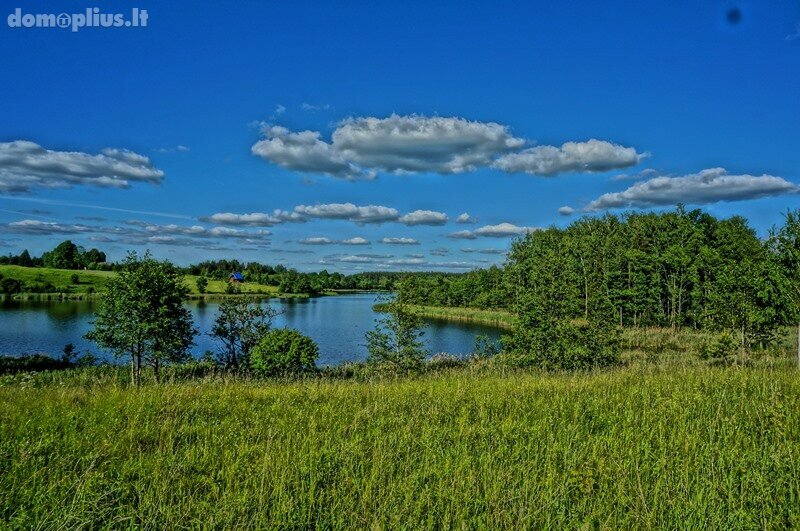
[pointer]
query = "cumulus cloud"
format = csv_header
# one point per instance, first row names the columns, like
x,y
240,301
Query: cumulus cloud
x,y
708,186
592,156
137,232
412,144
25,166
463,235
423,217
36,227
327,241
400,241
358,240
317,241
502,230
465,218
304,151
566,210
440,251
255,219
349,212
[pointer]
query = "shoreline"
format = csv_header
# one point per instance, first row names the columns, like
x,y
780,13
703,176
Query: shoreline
x,y
495,318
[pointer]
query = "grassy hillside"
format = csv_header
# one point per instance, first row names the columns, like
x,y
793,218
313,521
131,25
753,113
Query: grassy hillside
x,y
60,279
692,447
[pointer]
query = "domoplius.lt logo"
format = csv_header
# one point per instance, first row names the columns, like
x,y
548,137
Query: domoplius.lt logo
x,y
92,17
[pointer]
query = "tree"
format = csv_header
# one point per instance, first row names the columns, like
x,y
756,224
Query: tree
x,y
239,326
395,342
284,352
784,244
66,255
24,259
202,284
142,315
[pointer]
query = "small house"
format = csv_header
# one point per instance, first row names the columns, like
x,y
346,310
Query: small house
x,y
236,278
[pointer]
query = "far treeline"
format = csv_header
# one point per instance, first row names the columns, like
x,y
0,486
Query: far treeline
x,y
676,269
68,255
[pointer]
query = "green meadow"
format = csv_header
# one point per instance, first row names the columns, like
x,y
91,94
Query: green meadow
x,y
40,281
646,446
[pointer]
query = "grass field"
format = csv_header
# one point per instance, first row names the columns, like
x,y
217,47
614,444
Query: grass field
x,y
94,282
498,318
688,447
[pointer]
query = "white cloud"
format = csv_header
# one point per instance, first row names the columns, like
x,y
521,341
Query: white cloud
x,y
358,240
255,219
411,144
566,210
349,212
303,151
25,166
36,227
463,235
317,241
708,186
465,218
424,217
400,241
279,109
502,230
591,156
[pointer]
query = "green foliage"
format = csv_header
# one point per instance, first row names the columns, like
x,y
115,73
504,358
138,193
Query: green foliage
x,y
142,315
395,343
202,284
672,269
284,352
75,279
239,326
485,347
722,348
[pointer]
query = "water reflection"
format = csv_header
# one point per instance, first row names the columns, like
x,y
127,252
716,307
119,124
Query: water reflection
x,y
338,325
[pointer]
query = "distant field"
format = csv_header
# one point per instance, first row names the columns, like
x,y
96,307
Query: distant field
x,y
633,448
61,279
95,281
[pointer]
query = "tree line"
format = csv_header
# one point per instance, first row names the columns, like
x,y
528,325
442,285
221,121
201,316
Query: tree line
x,y
684,268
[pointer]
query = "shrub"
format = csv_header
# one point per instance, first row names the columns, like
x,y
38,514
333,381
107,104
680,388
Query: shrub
x,y
75,279
283,352
721,348
395,343
564,345
485,347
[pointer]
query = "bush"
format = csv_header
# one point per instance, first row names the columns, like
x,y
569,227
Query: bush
x,y
75,279
564,345
722,348
283,352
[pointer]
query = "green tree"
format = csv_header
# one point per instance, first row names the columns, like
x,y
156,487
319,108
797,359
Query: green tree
x,y
784,244
239,326
202,284
66,255
142,315
284,352
395,341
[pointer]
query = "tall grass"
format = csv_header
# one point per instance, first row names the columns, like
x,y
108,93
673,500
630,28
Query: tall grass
x,y
638,447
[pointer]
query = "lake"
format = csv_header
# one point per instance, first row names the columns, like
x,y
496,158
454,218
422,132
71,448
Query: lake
x,y
337,323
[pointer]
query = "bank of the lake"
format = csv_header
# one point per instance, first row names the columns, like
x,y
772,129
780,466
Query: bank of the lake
x,y
495,318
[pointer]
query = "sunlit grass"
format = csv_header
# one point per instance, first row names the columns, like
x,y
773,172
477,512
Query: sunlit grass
x,y
642,447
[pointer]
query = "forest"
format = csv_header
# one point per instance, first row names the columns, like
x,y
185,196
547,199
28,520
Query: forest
x,y
676,269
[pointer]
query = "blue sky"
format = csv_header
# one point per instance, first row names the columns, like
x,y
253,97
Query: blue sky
x,y
387,121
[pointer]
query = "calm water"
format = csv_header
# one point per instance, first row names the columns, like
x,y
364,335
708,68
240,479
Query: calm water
x,y
338,325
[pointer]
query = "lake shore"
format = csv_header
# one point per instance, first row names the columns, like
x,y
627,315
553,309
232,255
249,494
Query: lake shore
x,y
495,318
